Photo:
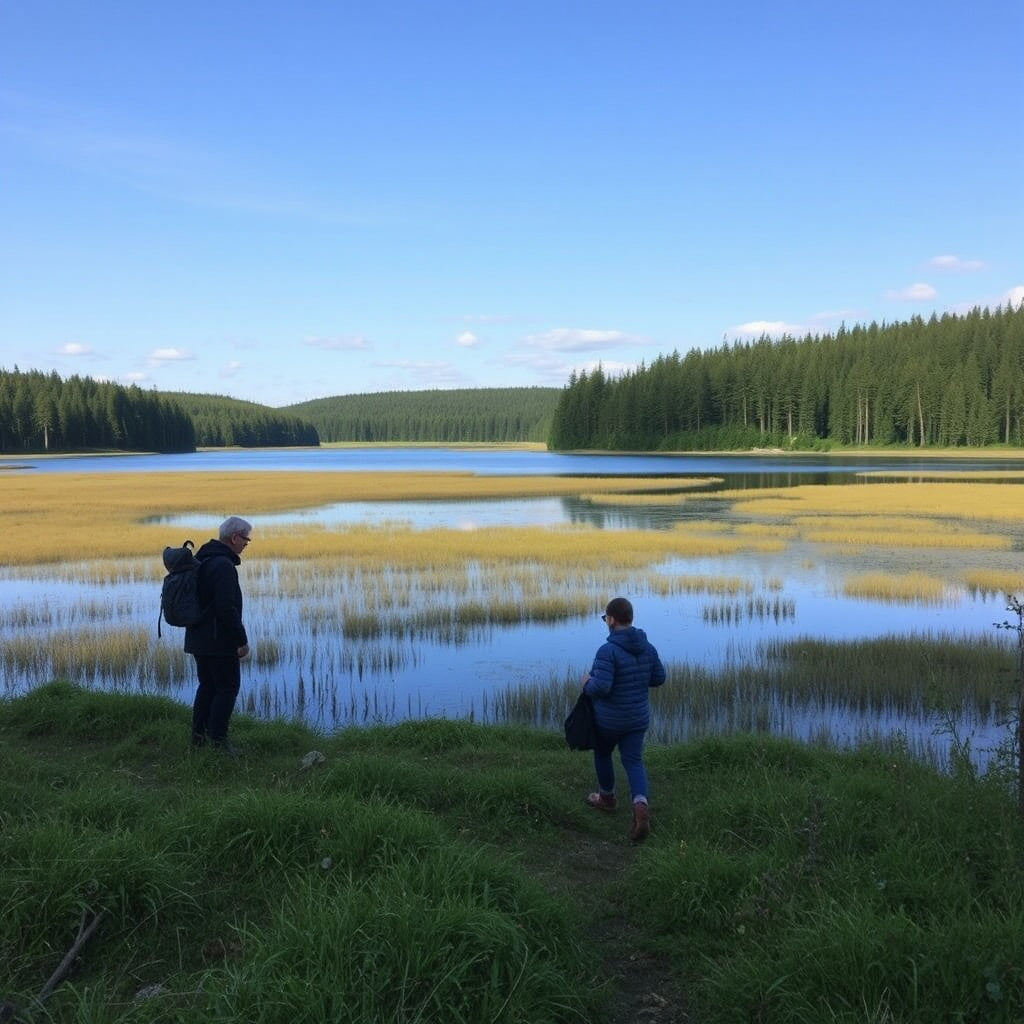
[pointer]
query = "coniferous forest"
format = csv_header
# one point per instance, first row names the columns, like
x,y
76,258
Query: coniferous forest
x,y
950,381
946,382
463,414
222,422
40,412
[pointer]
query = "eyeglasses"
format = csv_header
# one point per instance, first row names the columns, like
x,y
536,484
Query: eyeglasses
x,y
604,616
244,537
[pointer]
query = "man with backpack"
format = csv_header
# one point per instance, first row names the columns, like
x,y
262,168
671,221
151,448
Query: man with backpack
x,y
218,642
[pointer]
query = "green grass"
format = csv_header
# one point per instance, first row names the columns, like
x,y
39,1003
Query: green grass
x,y
935,680
443,871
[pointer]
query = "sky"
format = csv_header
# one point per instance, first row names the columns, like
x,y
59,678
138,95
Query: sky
x,y
280,202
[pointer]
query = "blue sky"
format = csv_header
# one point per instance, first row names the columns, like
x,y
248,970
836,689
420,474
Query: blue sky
x,y
286,201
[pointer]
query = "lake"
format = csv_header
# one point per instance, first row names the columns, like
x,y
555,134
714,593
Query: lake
x,y
330,679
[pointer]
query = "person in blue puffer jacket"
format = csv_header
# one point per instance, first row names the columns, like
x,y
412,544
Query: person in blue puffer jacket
x,y
625,667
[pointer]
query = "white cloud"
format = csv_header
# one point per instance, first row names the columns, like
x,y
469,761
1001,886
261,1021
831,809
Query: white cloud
x,y
771,328
551,370
73,348
919,292
954,263
467,339
421,374
170,355
134,378
577,339
1015,296
230,368
341,343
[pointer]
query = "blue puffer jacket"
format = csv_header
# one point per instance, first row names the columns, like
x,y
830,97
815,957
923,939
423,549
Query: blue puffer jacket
x,y
624,669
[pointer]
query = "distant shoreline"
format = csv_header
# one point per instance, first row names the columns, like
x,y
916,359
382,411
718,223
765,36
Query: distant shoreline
x,y
19,460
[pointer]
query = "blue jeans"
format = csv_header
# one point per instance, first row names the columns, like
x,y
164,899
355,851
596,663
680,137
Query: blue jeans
x,y
631,754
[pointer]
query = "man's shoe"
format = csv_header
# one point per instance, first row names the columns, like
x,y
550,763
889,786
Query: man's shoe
x,y
641,827
602,801
225,748
197,739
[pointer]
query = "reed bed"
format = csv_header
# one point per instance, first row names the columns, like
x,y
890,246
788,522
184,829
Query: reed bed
x,y
779,530
914,587
664,498
114,515
967,500
907,689
124,657
736,613
343,610
442,549
699,584
26,616
950,474
994,581
840,534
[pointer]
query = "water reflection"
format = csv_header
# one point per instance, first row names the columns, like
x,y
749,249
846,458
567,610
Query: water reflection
x,y
421,658
742,469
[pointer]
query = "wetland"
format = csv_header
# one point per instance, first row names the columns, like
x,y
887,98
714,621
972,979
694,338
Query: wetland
x,y
830,599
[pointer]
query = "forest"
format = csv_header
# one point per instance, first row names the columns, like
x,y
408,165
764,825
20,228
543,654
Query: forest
x,y
40,412
462,414
222,422
954,380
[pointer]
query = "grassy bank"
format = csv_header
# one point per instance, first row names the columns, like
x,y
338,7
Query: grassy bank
x,y
440,871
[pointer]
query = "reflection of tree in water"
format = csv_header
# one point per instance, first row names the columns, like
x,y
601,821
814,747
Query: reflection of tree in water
x,y
625,517
579,511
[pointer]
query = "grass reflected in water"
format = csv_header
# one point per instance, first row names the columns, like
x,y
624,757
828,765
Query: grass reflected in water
x,y
353,624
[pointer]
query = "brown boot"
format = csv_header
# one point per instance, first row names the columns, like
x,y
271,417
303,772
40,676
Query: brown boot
x,y
602,801
641,827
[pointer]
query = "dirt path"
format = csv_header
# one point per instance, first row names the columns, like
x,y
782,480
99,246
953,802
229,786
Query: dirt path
x,y
645,986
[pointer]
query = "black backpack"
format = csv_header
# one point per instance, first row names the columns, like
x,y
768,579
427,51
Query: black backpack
x,y
179,595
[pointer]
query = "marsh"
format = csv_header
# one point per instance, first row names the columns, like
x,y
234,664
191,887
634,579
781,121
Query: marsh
x,y
469,586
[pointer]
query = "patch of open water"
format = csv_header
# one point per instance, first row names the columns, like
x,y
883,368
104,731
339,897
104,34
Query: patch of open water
x,y
329,680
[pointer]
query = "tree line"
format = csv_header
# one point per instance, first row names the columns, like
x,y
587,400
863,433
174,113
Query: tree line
x,y
462,414
40,412
954,380
222,422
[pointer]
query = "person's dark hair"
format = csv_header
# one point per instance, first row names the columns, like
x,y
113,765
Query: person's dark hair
x,y
620,610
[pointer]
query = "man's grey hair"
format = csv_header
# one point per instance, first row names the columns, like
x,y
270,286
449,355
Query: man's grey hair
x,y
233,525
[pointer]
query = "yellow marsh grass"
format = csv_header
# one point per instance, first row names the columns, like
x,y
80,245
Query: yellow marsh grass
x,y
121,656
696,584
998,503
438,549
945,474
901,539
56,516
766,530
903,589
892,524
995,581
702,526
652,499
919,532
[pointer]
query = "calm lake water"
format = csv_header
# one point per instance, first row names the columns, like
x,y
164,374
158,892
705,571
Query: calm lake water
x,y
800,588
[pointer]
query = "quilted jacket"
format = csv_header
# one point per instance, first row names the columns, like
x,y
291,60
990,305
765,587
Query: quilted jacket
x,y
625,667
